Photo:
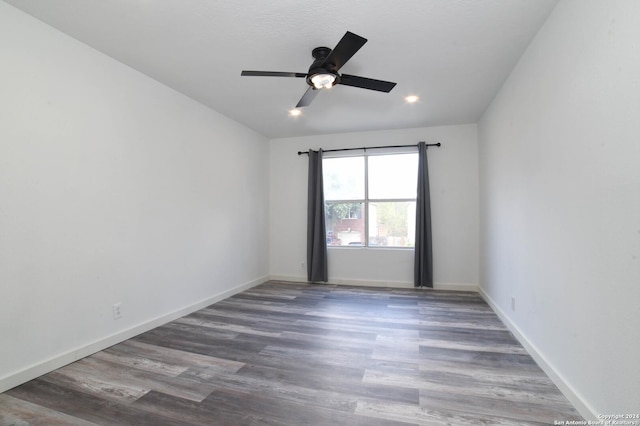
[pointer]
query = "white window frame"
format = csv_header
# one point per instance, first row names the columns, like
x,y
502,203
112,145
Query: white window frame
x,y
366,201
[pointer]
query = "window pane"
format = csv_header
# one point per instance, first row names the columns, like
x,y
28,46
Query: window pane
x,y
345,224
392,224
393,176
343,178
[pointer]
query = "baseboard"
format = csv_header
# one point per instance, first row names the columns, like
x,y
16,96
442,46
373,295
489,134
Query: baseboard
x,y
456,287
288,278
377,283
370,283
56,362
568,391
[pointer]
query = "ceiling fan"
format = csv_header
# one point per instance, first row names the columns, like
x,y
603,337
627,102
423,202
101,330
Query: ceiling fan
x,y
323,72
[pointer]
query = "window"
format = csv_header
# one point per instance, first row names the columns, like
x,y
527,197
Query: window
x,y
370,200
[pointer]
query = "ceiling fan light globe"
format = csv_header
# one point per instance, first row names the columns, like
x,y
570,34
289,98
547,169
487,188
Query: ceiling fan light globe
x,y
323,80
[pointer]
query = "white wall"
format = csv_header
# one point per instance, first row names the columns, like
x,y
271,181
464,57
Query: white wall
x,y
113,188
453,173
560,201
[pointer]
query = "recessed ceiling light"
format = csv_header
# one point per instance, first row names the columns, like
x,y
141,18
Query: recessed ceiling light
x,y
295,112
412,99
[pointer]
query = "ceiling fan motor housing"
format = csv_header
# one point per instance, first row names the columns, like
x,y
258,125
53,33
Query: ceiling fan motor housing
x,y
319,67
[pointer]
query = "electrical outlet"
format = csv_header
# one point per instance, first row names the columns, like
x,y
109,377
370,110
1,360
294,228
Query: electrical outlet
x,y
302,265
117,310
513,303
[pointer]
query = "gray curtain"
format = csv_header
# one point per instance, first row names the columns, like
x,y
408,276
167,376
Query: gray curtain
x,y
317,269
423,265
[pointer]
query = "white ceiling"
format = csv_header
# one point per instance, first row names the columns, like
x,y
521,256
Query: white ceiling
x,y
454,54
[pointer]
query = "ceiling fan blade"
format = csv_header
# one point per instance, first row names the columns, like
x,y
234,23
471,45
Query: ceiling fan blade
x,y
307,98
272,74
348,45
367,83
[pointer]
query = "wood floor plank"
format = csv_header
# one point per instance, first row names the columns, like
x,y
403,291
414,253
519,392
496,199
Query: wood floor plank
x,y
191,413
507,348
139,363
433,417
102,411
183,359
303,354
281,410
177,386
16,412
504,387
330,385
99,385
473,360
516,411
233,328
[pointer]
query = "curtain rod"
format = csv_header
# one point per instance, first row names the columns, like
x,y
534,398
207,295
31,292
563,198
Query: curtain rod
x,y
364,148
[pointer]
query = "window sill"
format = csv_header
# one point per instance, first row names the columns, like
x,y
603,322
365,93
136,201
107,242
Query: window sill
x,y
376,248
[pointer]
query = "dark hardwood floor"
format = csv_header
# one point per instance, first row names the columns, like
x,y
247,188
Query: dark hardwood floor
x,y
298,354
